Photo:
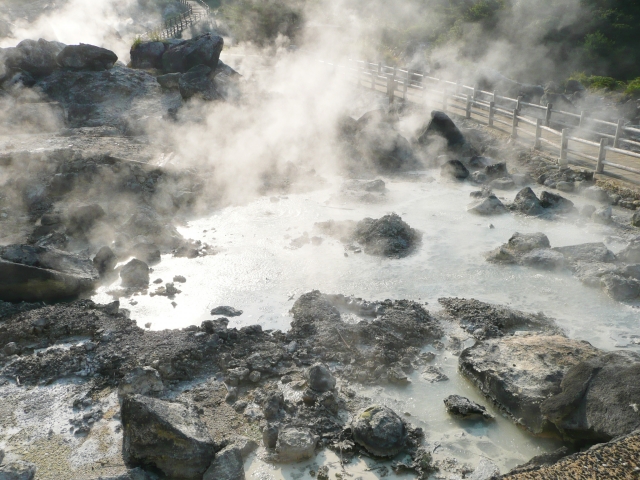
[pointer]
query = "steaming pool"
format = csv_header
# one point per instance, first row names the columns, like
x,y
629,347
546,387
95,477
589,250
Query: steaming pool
x,y
257,270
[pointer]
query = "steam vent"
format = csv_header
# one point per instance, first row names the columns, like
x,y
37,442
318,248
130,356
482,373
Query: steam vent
x,y
287,240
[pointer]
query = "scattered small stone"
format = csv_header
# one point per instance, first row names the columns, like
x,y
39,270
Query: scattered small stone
x,y
226,311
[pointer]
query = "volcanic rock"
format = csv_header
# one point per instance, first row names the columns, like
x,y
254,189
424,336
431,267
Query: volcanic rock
x,y
490,205
135,274
37,273
105,260
631,253
597,398
82,219
201,50
226,311
320,378
527,202
18,470
295,444
141,380
557,202
166,436
388,236
519,372
197,83
464,407
454,169
379,430
486,470
147,55
86,57
227,465
441,125
620,288
38,58
587,252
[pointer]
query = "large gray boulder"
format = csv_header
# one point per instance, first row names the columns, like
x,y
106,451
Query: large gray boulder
x,y
295,444
147,54
227,465
166,436
379,144
527,202
32,274
86,57
379,430
441,126
17,471
388,236
520,372
197,83
95,98
202,50
142,381
320,378
135,274
38,58
599,398
490,205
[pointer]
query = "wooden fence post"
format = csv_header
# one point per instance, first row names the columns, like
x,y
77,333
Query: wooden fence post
x,y
519,103
547,116
444,95
583,119
514,124
602,155
564,144
405,87
373,77
538,143
492,108
494,96
475,94
616,140
391,86
468,109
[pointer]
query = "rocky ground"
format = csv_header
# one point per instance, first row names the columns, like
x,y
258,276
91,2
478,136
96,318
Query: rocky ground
x,y
87,393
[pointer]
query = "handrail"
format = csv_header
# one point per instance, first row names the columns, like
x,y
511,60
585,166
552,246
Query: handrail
x,y
174,26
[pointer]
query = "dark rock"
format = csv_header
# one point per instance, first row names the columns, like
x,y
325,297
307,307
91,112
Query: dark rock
x,y
441,125
557,202
526,242
270,436
504,183
147,55
635,219
599,398
142,381
620,288
602,216
388,236
170,81
527,202
227,465
295,444
135,274
320,378
18,470
147,223
496,170
587,252
37,273
381,145
82,219
379,430
484,320
631,253
197,83
166,436
454,169
226,311
272,405
520,372
490,205
433,374
105,260
202,50
542,460
94,98
464,407
38,58
86,57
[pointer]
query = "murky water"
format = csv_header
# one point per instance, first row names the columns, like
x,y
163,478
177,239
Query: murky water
x,y
259,272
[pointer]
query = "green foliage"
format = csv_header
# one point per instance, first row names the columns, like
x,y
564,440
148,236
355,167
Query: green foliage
x,y
596,82
482,10
633,88
136,43
597,45
261,21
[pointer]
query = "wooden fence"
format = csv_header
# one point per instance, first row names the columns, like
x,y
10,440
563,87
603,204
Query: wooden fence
x,y
195,12
522,119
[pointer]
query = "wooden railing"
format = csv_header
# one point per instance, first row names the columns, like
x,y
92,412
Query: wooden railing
x,y
174,26
569,128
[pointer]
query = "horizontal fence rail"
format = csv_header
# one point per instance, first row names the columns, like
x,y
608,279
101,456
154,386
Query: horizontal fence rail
x,y
568,132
